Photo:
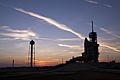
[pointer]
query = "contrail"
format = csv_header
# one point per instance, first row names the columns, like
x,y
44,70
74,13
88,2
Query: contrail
x,y
97,3
60,26
112,48
71,46
51,21
109,32
91,1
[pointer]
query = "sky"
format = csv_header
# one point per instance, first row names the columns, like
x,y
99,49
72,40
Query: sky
x,y
58,28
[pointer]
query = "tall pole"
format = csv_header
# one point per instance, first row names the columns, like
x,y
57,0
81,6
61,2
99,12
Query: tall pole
x,y
34,55
31,60
92,27
31,56
13,63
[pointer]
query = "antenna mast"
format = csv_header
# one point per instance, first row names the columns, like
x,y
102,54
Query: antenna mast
x,y
92,27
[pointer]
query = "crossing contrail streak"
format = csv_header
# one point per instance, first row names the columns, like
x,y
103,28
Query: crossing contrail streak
x,y
51,21
112,48
109,32
59,25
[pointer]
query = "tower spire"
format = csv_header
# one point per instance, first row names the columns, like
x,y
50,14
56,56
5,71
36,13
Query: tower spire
x,y
92,27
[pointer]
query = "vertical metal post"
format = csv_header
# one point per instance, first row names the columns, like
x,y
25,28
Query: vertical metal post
x,y
31,64
31,60
13,63
34,55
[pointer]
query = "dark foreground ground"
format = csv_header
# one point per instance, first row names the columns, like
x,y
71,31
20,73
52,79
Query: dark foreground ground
x,y
83,75
60,74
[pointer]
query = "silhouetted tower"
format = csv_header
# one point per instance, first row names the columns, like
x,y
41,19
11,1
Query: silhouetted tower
x,y
32,44
93,35
91,53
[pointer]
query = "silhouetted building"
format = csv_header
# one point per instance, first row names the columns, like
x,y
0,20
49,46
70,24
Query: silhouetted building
x,y
91,52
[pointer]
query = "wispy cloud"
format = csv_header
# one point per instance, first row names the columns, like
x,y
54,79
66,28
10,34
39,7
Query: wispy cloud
x,y
112,48
51,21
2,39
49,39
109,32
3,27
108,6
95,2
71,46
13,34
91,1
69,39
112,34
58,25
